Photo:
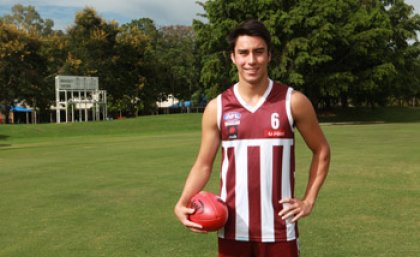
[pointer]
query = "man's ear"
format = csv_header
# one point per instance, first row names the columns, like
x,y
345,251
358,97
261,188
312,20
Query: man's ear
x,y
269,56
232,57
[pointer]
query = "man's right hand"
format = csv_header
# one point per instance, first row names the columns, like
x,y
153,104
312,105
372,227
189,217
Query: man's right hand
x,y
182,214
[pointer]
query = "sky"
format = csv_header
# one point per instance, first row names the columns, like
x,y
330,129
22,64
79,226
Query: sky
x,y
162,12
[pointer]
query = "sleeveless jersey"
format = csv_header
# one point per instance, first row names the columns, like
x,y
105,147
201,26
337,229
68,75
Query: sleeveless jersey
x,y
257,164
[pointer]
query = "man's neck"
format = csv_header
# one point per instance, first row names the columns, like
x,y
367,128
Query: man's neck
x,y
252,93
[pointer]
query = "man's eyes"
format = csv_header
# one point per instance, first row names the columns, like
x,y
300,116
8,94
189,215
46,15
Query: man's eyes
x,y
258,51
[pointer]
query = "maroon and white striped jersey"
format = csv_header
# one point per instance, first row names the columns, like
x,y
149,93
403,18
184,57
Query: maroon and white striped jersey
x,y
257,164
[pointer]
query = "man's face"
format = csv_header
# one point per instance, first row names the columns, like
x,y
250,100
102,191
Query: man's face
x,y
251,58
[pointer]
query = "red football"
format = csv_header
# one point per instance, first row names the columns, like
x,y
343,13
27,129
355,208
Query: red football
x,y
210,211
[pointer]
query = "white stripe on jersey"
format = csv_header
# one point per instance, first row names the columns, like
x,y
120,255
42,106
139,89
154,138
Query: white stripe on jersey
x,y
266,177
258,142
266,188
223,192
219,110
223,174
241,191
289,107
286,191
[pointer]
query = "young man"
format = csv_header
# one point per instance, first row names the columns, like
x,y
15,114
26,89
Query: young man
x,y
254,122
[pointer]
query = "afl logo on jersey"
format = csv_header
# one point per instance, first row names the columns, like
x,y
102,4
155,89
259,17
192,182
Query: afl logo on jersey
x,y
232,118
232,121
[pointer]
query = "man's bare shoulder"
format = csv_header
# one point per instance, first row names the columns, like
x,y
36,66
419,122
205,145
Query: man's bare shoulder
x,y
210,113
301,106
298,98
212,105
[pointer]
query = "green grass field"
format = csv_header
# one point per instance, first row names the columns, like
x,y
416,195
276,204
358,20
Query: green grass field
x,y
108,189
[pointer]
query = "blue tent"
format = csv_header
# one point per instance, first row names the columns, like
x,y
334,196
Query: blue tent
x,y
187,103
181,104
19,109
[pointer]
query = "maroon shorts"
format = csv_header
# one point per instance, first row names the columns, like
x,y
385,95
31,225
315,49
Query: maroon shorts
x,y
233,248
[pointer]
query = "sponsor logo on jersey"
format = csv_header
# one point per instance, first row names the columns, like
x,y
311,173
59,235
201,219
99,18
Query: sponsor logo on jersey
x,y
274,133
232,118
232,131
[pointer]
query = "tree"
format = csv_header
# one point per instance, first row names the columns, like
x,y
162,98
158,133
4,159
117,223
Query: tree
x,y
153,67
335,51
340,54
26,18
38,89
166,62
132,42
177,55
53,49
404,50
91,42
21,66
92,51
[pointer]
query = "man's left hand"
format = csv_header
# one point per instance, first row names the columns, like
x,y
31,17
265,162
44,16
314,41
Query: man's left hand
x,y
293,207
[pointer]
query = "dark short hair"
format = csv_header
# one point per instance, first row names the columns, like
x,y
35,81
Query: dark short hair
x,y
249,28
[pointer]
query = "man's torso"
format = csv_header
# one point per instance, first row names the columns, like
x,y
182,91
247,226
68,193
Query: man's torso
x,y
257,164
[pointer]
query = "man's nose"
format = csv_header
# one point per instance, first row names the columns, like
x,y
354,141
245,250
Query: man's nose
x,y
251,58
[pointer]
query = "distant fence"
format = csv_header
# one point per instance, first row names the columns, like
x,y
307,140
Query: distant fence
x,y
171,110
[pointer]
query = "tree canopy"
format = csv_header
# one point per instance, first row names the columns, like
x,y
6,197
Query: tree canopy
x,y
338,52
335,51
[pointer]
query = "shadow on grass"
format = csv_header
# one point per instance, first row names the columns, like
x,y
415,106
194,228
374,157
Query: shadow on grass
x,y
2,138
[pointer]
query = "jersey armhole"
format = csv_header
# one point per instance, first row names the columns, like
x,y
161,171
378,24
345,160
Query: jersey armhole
x,y
289,108
219,110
